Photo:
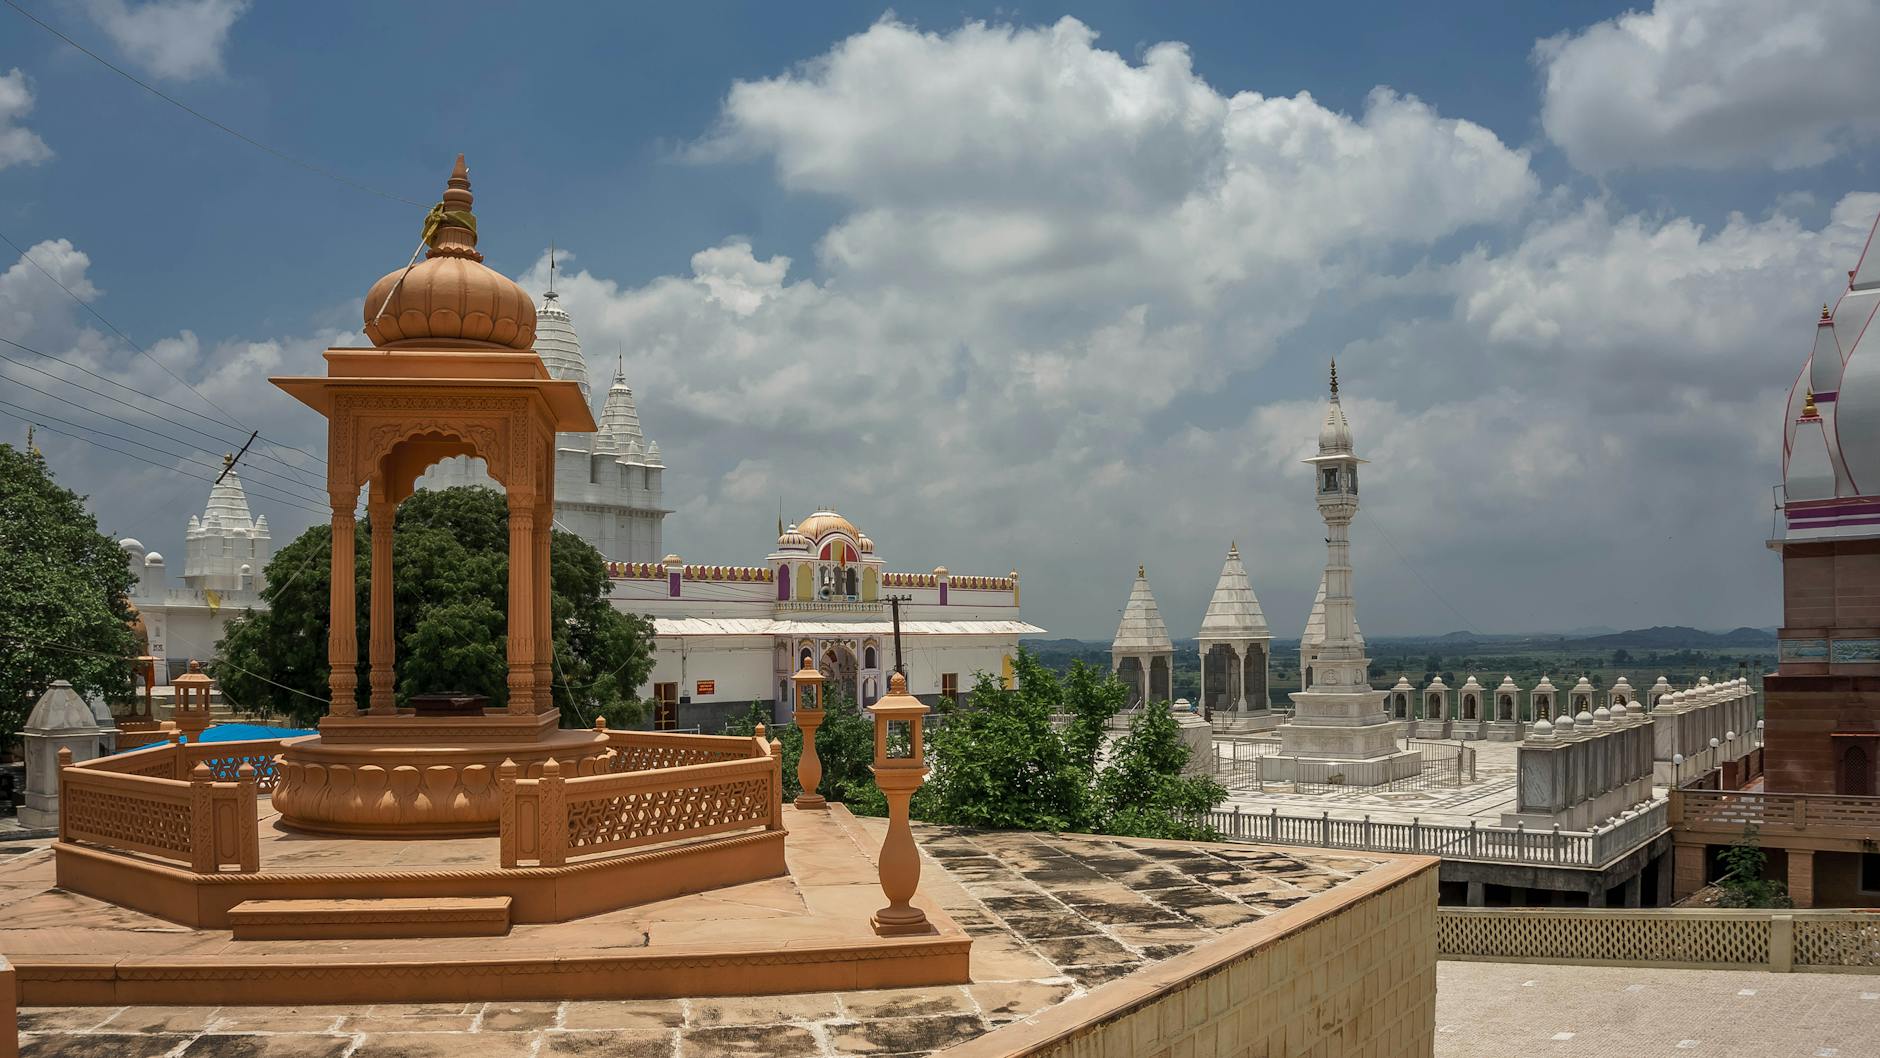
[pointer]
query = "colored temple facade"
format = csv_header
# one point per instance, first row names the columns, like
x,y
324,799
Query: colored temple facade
x,y
732,635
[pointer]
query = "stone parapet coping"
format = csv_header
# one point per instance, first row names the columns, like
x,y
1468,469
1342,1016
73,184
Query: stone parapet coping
x,y
1056,1028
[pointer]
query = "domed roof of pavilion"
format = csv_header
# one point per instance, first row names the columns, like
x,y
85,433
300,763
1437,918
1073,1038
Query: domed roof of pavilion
x,y
1142,630
450,299
1831,433
824,522
1233,611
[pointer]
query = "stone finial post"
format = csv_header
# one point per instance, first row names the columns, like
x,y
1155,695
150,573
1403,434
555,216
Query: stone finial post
x,y
899,775
809,717
191,708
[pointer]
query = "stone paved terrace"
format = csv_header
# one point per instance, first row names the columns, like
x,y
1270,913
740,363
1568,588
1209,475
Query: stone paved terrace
x,y
1503,1010
1052,916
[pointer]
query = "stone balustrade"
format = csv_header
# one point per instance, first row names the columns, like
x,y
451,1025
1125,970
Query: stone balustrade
x,y
199,821
548,818
1835,941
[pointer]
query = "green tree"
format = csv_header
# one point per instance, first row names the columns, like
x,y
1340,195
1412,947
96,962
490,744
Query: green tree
x,y
1743,884
845,743
450,589
1142,792
64,594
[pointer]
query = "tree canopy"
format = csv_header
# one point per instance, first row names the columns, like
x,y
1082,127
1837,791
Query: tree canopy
x,y
64,594
450,591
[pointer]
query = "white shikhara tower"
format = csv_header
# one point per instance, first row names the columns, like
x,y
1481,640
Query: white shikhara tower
x,y
1339,722
608,484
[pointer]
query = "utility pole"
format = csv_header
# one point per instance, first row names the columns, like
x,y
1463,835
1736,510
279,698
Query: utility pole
x,y
894,603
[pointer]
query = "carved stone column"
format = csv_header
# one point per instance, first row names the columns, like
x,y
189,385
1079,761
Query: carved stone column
x,y
544,631
522,616
382,642
342,643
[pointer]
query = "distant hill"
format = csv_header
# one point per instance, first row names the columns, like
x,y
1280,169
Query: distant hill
x,y
1678,637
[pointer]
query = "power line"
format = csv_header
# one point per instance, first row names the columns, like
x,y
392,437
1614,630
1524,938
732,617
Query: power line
x,y
231,421
220,442
200,116
33,418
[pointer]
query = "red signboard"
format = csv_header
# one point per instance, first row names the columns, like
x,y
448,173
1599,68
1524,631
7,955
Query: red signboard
x,y
706,687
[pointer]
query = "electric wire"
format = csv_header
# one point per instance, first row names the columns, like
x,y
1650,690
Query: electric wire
x,y
200,116
221,442
232,421
33,419
274,480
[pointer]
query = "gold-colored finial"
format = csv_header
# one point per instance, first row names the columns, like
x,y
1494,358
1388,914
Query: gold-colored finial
x,y
1808,405
1827,316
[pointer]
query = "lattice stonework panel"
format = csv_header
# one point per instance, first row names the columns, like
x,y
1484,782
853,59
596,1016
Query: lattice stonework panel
x,y
228,768
116,818
1837,942
1601,939
645,817
642,757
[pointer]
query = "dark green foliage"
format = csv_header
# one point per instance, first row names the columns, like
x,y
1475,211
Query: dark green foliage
x,y
1743,884
1000,762
64,587
845,743
450,589
1142,792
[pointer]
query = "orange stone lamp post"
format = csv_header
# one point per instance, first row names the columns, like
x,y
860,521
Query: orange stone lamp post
x,y
191,709
809,717
899,775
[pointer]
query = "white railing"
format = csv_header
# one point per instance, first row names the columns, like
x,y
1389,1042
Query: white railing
x,y
1495,844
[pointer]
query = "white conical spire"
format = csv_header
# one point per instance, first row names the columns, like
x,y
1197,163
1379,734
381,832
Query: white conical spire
x,y
1335,435
1314,635
560,349
228,504
1234,612
620,420
1141,630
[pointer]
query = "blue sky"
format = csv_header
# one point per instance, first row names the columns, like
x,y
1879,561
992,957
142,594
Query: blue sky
x,y
1567,281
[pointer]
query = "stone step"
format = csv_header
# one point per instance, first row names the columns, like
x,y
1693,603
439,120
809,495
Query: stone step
x,y
438,916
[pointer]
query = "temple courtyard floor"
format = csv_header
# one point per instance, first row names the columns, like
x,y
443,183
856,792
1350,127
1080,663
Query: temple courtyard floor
x,y
1051,917
1444,798
1484,1010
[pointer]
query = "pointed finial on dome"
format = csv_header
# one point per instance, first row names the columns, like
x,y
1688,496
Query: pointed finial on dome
x,y
1334,378
1141,570
451,228
1808,405
1826,315
550,295
620,365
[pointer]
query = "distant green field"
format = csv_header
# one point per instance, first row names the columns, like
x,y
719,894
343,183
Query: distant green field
x,y
1651,653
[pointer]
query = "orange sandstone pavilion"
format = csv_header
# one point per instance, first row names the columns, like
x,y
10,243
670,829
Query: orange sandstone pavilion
x,y
448,852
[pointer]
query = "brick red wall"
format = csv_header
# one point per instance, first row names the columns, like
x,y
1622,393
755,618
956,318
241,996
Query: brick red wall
x,y
1800,714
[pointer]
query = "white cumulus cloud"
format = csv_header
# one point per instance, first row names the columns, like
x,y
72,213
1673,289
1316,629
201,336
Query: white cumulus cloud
x,y
1715,84
179,40
19,145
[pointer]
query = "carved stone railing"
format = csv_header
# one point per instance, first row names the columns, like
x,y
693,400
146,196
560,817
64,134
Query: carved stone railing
x,y
1843,941
546,820
652,750
1730,812
200,822
172,761
1495,844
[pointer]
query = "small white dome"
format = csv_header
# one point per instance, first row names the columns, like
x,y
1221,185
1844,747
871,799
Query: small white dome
x,y
153,559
